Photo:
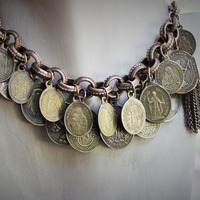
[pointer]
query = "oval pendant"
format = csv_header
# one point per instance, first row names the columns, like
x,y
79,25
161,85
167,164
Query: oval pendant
x,y
107,119
20,86
78,118
4,90
133,115
6,65
52,104
157,103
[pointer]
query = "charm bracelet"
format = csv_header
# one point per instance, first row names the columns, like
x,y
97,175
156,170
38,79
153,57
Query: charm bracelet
x,y
169,71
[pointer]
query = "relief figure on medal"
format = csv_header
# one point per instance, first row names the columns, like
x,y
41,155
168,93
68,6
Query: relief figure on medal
x,y
21,89
184,44
170,79
155,105
108,121
85,140
3,64
33,104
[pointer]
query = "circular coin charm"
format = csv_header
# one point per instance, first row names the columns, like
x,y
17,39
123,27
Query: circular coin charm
x,y
175,106
6,65
52,104
20,86
78,118
121,138
189,68
31,109
88,142
157,103
170,76
149,130
107,119
133,115
4,90
186,41
56,132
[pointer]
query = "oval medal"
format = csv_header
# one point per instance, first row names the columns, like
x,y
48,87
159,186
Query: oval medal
x,y
78,118
149,130
4,90
189,68
107,119
186,41
157,102
121,138
133,115
170,76
6,65
88,142
52,104
20,86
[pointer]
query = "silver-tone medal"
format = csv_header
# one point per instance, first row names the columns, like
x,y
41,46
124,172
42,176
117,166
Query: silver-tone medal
x,y
4,90
189,67
88,142
133,115
78,118
121,138
107,118
52,103
20,86
157,102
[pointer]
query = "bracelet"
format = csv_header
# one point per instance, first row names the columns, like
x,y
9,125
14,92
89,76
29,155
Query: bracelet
x,y
168,71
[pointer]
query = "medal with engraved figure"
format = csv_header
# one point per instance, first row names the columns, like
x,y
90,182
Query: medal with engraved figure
x,y
121,138
52,103
78,118
150,130
157,102
31,109
107,118
186,41
133,114
6,64
87,142
20,85
170,76
189,68
56,132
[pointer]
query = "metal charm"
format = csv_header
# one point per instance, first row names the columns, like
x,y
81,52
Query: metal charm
x,y
88,142
186,41
175,98
157,103
170,76
20,86
133,115
149,130
56,132
107,118
6,64
121,138
4,90
78,118
190,70
52,104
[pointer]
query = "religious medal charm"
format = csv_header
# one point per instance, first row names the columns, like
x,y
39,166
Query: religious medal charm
x,y
78,118
4,90
52,103
31,109
87,142
6,64
56,132
189,68
149,130
107,118
170,76
121,138
20,85
157,102
186,41
133,115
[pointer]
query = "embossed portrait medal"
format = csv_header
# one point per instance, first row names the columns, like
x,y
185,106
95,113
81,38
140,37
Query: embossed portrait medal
x,y
157,102
20,85
133,115
78,118
107,118
52,103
